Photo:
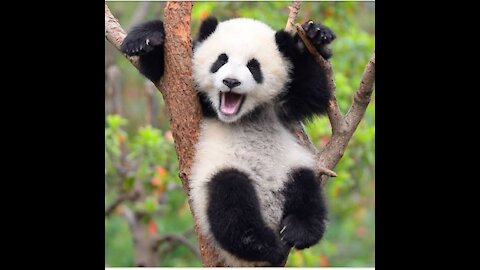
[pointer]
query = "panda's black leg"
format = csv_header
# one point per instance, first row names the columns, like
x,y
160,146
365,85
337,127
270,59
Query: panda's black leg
x,y
146,41
236,221
305,213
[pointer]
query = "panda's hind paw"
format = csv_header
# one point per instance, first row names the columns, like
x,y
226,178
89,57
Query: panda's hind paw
x,y
301,233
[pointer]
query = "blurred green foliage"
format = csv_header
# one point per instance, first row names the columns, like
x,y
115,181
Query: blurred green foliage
x,y
350,237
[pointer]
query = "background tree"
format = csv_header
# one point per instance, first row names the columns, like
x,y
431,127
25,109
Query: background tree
x,y
349,239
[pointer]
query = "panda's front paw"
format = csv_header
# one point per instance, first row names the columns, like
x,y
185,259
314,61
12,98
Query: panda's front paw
x,y
301,233
319,34
143,38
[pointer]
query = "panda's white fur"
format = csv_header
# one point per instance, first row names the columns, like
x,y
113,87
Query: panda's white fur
x,y
263,148
241,39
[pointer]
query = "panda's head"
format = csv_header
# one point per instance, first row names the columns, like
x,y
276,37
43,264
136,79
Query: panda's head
x,y
237,65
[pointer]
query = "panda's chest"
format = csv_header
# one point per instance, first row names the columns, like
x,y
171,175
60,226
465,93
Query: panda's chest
x,y
265,150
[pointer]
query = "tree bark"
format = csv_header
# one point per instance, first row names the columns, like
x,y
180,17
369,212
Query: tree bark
x,y
182,102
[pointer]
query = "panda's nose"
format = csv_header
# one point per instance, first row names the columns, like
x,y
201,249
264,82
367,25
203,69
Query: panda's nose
x,y
231,83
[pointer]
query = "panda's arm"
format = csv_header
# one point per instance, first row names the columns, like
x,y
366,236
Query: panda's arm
x,y
307,94
146,41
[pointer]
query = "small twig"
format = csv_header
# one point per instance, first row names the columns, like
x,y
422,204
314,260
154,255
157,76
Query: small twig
x,y
294,8
325,171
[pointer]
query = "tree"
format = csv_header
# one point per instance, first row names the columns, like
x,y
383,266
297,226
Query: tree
x,y
185,115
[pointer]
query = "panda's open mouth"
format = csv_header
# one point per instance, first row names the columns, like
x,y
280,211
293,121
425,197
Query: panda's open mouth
x,y
230,102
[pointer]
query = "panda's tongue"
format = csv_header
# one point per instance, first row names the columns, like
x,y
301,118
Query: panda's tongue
x,y
230,102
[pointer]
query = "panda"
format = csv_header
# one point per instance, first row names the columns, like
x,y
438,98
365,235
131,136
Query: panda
x,y
253,188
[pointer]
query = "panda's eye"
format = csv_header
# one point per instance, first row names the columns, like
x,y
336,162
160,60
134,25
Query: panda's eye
x,y
223,57
253,63
254,66
221,60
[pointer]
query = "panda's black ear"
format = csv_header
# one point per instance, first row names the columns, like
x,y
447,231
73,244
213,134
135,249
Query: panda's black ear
x,y
285,43
207,27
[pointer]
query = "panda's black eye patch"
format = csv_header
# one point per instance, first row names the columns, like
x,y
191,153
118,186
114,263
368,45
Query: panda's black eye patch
x,y
221,60
254,67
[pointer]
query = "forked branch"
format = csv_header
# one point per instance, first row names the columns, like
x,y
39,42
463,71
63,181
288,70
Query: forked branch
x,y
343,127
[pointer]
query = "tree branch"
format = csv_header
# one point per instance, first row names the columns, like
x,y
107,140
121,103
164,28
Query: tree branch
x,y
115,34
343,127
362,95
294,8
179,239
121,198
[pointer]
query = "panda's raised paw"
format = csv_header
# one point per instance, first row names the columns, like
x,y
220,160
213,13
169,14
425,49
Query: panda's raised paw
x,y
143,38
319,34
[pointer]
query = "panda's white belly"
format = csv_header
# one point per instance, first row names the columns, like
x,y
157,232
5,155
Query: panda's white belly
x,y
265,150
